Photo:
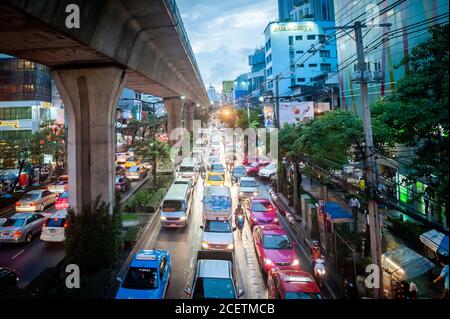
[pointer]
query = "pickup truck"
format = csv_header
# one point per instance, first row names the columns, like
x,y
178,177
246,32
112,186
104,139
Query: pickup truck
x,y
215,276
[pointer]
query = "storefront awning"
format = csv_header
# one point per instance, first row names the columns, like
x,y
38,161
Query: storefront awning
x,y
436,241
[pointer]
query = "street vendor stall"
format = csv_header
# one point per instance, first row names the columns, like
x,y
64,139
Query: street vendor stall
x,y
435,243
401,266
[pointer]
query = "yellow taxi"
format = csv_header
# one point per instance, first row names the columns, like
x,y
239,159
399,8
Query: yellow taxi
x,y
214,179
132,161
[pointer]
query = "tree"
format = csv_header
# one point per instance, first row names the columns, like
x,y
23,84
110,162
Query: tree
x,y
155,149
255,119
418,112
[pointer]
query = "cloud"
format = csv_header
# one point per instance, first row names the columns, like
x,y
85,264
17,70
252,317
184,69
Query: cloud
x,y
224,33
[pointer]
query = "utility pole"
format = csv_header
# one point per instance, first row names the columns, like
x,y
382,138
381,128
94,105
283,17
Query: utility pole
x,y
370,171
277,123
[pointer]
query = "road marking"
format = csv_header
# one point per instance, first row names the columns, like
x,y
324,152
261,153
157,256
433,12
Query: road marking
x,y
14,257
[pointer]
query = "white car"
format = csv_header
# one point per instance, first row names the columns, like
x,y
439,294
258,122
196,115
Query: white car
x,y
269,171
54,227
217,235
36,200
247,187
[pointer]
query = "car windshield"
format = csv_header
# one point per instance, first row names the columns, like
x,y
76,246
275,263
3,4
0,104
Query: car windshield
x,y
217,167
29,197
141,278
186,169
239,171
131,159
181,182
277,242
215,178
14,222
64,195
56,222
172,205
214,288
217,226
302,295
261,207
248,184
133,169
119,179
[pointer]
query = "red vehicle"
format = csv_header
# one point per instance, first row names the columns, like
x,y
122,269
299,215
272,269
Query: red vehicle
x,y
292,284
274,249
122,183
62,201
260,211
253,168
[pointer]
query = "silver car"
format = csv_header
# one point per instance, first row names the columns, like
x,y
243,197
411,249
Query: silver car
x,y
21,227
36,200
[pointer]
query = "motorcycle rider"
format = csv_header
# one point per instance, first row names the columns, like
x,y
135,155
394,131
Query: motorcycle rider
x,y
315,251
239,219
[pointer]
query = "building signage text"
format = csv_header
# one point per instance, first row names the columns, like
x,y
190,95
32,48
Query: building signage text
x,y
14,124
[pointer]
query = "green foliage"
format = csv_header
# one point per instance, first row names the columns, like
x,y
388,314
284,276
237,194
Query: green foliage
x,y
93,237
255,119
49,140
153,148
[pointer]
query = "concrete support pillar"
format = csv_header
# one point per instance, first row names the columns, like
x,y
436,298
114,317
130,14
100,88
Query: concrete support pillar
x,y
174,109
189,110
90,96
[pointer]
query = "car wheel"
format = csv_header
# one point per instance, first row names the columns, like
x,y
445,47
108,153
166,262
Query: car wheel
x,y
28,237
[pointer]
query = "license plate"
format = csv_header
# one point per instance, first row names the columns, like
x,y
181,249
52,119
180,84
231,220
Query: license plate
x,y
173,225
52,230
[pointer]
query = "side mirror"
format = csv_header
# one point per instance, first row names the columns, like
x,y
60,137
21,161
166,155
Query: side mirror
x,y
187,291
241,293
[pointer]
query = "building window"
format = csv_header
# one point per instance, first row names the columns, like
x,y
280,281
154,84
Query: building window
x,y
270,85
300,79
298,37
311,37
299,52
292,81
15,135
15,113
268,45
312,65
291,54
325,67
324,53
269,71
269,58
321,38
291,40
301,65
292,67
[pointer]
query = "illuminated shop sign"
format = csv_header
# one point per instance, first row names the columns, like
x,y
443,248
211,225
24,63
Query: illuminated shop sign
x,y
292,27
14,124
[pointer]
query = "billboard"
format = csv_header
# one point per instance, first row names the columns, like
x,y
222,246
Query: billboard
x,y
293,112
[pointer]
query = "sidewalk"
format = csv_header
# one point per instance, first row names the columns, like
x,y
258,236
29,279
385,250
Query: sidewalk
x,y
389,240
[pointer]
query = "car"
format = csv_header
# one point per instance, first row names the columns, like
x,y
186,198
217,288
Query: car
x,y
260,211
132,161
121,158
189,170
217,168
214,179
215,276
62,201
183,180
217,235
120,170
268,171
238,172
253,168
274,249
147,276
21,227
54,227
247,187
36,200
60,186
135,173
8,277
122,183
292,284
213,159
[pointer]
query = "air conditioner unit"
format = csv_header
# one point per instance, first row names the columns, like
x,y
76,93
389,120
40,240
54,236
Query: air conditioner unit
x,y
359,76
377,76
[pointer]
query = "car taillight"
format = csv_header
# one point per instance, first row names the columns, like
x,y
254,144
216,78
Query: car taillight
x,y
17,233
17,204
33,203
66,224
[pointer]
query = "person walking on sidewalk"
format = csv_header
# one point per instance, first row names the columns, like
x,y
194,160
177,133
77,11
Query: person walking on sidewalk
x,y
443,275
354,206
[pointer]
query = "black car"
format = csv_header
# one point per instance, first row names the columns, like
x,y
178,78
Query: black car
x,y
8,278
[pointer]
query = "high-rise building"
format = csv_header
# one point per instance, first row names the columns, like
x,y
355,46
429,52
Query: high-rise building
x,y
240,91
130,106
212,95
256,78
227,92
284,9
322,10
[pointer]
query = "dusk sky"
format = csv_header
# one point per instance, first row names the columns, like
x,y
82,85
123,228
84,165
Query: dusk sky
x,y
223,34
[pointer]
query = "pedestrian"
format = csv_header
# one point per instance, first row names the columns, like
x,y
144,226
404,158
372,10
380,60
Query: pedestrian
x,y
443,275
354,206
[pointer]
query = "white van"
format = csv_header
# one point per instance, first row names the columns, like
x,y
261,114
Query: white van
x,y
54,227
217,203
176,206
188,170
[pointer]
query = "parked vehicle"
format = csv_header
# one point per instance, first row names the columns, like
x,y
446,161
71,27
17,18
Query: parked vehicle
x,y
217,235
8,277
122,183
253,168
132,161
62,201
268,171
36,200
21,227
260,211
176,206
215,277
147,276
217,203
135,173
60,186
54,227
292,284
274,249
247,187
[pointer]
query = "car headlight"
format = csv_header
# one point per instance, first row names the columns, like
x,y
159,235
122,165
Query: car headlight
x,y
321,271
230,246
183,218
267,261
255,193
296,262
163,217
205,245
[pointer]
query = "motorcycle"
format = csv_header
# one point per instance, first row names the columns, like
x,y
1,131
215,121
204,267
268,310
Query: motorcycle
x,y
319,271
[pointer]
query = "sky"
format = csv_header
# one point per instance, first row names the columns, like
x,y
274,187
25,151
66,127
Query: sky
x,y
223,33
